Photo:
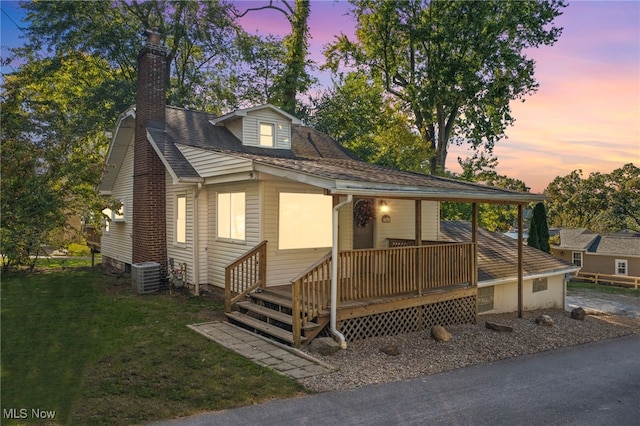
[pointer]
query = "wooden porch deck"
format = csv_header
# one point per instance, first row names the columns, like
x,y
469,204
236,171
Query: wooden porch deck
x,y
380,292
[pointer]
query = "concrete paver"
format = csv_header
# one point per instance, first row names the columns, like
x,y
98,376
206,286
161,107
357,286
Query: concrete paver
x,y
283,359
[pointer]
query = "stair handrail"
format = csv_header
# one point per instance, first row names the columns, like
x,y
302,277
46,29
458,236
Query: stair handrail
x,y
308,296
248,272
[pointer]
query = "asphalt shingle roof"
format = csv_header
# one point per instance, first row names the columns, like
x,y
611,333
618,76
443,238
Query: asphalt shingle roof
x,y
498,254
312,152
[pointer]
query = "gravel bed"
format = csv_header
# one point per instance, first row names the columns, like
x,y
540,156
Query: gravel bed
x,y
363,363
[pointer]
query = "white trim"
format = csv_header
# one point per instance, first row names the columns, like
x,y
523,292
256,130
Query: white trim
x,y
508,280
573,259
243,113
626,267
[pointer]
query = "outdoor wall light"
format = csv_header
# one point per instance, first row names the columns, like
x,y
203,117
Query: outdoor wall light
x,y
384,207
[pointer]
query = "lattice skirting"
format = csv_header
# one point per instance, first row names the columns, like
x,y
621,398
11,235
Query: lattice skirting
x,y
458,311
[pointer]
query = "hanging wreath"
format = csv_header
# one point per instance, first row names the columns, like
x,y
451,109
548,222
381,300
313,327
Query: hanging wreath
x,y
363,213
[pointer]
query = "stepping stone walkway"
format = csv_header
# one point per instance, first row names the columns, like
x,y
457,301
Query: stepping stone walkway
x,y
281,358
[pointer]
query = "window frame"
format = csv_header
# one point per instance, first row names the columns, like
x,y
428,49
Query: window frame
x,y
178,221
573,258
626,267
121,214
539,284
230,235
272,125
302,219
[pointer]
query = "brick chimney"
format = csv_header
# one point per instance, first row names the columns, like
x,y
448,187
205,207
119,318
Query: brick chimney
x,y
149,230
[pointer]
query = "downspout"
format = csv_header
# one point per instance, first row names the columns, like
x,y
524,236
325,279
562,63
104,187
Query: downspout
x,y
196,242
334,273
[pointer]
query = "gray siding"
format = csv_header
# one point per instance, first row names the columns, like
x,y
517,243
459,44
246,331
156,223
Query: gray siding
x,y
210,164
282,127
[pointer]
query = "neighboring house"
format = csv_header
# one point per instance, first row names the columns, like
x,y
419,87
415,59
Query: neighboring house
x,y
303,237
544,276
610,254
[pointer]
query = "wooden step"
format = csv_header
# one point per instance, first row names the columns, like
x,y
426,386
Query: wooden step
x,y
270,297
263,327
264,311
273,314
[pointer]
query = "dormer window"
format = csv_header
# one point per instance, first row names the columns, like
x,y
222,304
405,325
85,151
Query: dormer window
x,y
267,134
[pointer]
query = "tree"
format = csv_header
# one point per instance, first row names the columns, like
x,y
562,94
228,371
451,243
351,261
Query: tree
x,y
355,114
481,169
539,230
576,202
199,37
454,66
294,78
624,197
600,202
52,149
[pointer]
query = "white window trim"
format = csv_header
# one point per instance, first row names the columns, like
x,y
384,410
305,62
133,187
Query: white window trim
x,y
626,267
573,259
280,247
106,221
176,217
115,217
274,128
231,239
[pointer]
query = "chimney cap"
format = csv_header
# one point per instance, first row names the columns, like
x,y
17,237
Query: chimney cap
x,y
153,37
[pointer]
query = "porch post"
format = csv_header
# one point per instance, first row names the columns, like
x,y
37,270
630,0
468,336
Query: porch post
x,y
520,235
419,269
474,240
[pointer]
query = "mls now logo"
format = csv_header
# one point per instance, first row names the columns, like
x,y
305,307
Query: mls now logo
x,y
23,413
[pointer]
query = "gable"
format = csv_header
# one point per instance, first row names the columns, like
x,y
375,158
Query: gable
x,y
122,138
280,126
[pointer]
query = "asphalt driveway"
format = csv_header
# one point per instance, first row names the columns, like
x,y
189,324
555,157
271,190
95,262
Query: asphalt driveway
x,y
594,302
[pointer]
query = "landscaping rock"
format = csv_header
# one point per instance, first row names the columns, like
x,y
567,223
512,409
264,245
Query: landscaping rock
x,y
391,350
498,327
544,320
578,313
324,346
440,334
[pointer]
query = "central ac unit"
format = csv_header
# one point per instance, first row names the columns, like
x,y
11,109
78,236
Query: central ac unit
x,y
145,277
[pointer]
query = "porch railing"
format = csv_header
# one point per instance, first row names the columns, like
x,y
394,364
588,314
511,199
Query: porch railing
x,y
374,273
245,274
311,294
413,269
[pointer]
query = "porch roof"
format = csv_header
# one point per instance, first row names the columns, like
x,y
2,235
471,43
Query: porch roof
x,y
498,254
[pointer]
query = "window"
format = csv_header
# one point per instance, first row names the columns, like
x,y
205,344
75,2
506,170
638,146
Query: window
x,y
181,219
577,258
267,134
106,220
304,221
119,215
622,267
231,215
485,299
539,284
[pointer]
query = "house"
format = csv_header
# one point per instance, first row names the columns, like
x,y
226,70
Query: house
x,y
304,238
608,254
544,276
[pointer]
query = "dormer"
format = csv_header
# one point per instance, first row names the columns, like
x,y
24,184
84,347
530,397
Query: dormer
x,y
264,126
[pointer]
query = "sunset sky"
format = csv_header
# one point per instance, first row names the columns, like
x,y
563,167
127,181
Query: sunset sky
x,y
585,115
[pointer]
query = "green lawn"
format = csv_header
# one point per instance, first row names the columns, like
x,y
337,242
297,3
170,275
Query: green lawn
x,y
84,345
610,289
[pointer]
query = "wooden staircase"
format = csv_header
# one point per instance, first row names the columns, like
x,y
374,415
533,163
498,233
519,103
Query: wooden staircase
x,y
268,311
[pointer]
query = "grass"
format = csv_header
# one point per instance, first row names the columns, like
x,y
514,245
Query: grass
x,y
601,288
84,345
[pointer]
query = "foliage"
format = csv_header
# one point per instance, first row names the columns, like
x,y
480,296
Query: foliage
x,y
495,217
75,249
453,66
53,146
539,230
355,114
83,345
600,202
294,77
198,36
